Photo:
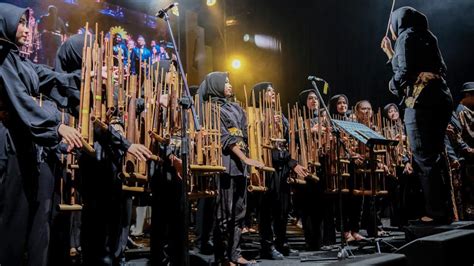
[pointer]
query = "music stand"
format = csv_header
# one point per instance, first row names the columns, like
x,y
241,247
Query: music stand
x,y
370,138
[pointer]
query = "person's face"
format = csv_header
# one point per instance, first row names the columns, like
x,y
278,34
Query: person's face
x,y
162,49
270,94
365,111
118,38
341,105
153,43
392,32
312,101
141,42
22,31
227,88
393,113
130,44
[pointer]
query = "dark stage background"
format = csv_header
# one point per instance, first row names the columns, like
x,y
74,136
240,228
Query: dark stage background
x,y
338,40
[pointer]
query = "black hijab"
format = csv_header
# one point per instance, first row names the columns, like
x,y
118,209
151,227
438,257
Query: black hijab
x,y
333,104
69,55
408,18
9,18
193,90
213,87
260,89
69,60
303,98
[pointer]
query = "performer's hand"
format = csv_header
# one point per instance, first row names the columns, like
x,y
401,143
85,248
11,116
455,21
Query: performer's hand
x,y
314,128
177,163
300,171
139,151
164,100
450,131
386,46
255,163
455,165
408,169
72,137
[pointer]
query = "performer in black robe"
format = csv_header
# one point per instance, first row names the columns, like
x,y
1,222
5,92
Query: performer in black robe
x,y
232,184
105,222
23,122
419,76
275,201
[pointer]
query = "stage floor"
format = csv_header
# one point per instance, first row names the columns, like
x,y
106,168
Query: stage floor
x,y
250,250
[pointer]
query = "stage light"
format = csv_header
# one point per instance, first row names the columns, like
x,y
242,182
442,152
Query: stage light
x,y
236,64
231,21
263,41
246,37
211,2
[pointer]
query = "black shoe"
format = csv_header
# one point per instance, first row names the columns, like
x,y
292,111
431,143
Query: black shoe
x,y
271,254
207,248
287,251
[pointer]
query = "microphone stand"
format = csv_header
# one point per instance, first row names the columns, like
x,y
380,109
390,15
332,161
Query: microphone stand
x,y
186,103
342,253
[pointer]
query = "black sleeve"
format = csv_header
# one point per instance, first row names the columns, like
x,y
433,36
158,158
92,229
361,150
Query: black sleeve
x,y
402,64
117,140
58,86
42,126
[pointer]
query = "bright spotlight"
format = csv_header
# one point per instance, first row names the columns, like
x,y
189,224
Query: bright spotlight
x,y
211,2
236,64
246,37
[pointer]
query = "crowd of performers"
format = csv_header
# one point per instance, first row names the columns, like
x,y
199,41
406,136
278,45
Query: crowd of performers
x,y
83,142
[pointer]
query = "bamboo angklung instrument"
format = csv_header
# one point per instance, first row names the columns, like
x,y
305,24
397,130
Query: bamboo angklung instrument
x,y
294,154
69,200
365,178
205,151
156,131
84,114
255,129
130,171
99,119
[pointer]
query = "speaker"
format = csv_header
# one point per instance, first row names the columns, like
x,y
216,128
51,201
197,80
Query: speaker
x,y
413,232
447,248
385,259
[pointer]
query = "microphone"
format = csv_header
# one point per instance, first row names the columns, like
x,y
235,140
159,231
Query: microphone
x,y
162,12
315,78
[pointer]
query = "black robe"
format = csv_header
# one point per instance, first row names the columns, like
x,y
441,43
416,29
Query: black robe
x,y
22,123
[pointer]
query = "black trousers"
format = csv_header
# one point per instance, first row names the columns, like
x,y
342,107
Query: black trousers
x,y
230,213
167,239
426,129
274,210
40,213
204,220
104,212
19,197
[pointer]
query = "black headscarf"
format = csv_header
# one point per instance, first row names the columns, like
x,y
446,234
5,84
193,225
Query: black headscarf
x,y
303,98
333,104
9,18
193,90
260,89
213,87
69,55
69,60
407,17
387,108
